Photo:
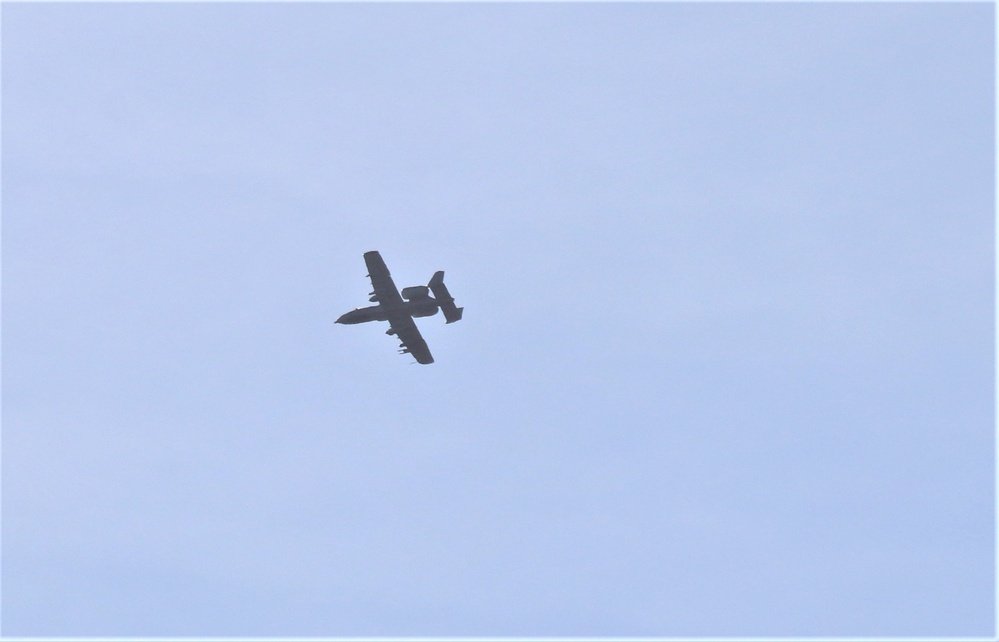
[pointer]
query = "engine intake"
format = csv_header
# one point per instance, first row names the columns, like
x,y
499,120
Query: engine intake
x,y
415,292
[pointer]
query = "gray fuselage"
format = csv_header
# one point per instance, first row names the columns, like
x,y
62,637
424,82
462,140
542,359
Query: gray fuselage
x,y
423,307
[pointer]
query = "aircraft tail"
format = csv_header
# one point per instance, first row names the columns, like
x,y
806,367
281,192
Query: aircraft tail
x,y
444,298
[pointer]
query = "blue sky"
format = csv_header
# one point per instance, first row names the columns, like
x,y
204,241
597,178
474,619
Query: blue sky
x,y
726,365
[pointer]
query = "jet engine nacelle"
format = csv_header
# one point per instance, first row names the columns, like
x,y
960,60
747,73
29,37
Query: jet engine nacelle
x,y
416,292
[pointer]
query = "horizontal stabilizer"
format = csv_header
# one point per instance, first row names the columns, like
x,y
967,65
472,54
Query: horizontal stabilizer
x,y
444,298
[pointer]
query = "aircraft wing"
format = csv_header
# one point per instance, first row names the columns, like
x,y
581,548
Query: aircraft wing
x,y
412,341
384,288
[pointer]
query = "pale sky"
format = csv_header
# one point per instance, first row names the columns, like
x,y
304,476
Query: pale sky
x,y
727,359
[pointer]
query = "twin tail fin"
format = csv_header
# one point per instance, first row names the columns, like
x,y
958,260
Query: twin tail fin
x,y
444,298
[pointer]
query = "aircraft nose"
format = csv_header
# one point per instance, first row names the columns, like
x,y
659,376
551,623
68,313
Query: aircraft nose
x,y
348,318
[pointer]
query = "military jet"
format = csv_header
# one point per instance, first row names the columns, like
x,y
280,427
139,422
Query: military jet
x,y
399,310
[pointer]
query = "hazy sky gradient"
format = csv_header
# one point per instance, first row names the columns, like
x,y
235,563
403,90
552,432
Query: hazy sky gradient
x,y
726,364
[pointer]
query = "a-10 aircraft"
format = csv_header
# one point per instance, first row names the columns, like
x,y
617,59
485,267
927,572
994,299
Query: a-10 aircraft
x,y
399,310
